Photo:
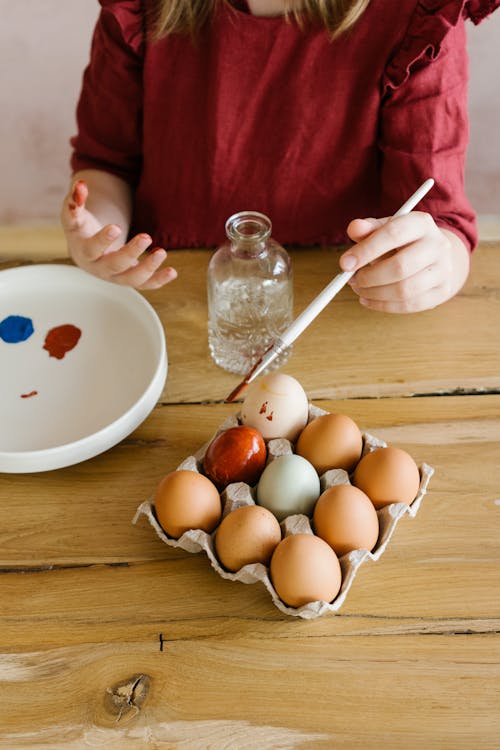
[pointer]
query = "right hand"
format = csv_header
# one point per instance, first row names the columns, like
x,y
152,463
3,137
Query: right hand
x,y
94,247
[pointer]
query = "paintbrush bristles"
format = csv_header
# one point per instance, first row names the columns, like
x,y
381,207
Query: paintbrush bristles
x,y
236,393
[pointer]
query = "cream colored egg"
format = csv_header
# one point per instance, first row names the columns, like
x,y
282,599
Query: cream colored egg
x,y
276,405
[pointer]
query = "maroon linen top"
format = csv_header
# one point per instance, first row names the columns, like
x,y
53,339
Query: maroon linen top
x,y
256,114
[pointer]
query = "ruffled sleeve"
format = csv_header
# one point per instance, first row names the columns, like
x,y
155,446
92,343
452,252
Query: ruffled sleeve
x,y
424,127
431,22
109,111
129,16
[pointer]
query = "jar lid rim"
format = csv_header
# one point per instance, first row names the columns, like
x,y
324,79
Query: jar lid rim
x,y
236,220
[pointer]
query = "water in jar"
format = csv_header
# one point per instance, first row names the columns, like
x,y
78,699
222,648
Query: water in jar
x,y
247,316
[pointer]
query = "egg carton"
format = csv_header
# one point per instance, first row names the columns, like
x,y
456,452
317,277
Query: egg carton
x,y
239,494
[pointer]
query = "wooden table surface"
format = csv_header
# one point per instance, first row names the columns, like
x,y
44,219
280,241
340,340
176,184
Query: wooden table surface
x,y
110,639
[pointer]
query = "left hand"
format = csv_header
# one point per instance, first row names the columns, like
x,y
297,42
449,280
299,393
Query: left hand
x,y
406,264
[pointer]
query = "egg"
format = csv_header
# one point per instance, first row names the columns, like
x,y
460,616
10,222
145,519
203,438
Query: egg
x,y
288,485
235,455
276,405
187,500
305,569
388,475
331,441
247,535
346,519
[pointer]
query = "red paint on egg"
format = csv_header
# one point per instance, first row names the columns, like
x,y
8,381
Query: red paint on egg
x,y
29,395
235,455
61,340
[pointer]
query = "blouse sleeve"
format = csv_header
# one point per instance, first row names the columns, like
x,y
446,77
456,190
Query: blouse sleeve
x,y
424,126
109,110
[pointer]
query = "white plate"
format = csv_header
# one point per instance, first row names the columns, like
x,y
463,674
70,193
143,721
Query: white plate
x,y
58,412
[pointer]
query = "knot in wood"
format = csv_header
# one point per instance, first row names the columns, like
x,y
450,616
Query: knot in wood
x,y
125,699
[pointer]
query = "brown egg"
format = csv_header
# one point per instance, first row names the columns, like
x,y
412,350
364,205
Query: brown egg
x,y
387,475
187,500
332,441
247,535
346,518
304,569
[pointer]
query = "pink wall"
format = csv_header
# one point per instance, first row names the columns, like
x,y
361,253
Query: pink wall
x,y
43,50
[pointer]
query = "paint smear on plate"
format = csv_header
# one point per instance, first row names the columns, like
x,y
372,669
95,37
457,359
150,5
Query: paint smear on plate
x,y
61,340
29,395
16,328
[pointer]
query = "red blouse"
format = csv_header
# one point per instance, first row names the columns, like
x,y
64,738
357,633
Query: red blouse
x,y
256,114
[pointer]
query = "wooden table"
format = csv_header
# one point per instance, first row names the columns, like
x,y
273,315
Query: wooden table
x,y
110,639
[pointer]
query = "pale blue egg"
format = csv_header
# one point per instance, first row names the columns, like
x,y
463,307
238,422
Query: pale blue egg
x,y
288,485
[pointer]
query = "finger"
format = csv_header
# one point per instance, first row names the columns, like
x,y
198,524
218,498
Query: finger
x,y
147,273
395,267
93,248
394,234
159,278
359,229
403,291
79,195
115,262
74,205
430,299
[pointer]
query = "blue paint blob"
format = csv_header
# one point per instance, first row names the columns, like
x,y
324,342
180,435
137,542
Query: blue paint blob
x,y
16,328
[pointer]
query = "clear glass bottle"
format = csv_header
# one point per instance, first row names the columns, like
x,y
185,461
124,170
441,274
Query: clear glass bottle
x,y
250,294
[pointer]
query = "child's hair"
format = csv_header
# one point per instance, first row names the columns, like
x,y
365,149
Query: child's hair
x,y
188,16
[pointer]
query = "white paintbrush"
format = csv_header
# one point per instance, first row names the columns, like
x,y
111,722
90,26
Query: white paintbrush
x,y
312,311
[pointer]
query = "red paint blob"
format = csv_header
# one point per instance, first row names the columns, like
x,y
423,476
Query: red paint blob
x,y
61,339
79,194
29,395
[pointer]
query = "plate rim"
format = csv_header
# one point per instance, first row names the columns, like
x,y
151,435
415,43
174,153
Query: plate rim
x,y
89,446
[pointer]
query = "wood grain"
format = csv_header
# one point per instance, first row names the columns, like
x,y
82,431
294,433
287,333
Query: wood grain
x,y
111,639
347,352
110,603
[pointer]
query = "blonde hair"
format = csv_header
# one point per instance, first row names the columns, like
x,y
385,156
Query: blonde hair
x,y
188,16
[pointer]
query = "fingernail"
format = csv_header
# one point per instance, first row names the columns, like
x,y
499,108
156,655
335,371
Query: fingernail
x,y
159,254
113,232
348,262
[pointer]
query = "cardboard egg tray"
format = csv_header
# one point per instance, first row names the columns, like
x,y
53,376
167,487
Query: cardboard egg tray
x,y
238,494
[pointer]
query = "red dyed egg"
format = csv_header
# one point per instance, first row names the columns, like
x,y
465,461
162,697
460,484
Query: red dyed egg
x,y
235,455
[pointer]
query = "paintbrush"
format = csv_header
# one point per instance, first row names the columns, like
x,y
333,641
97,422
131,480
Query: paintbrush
x,y
312,311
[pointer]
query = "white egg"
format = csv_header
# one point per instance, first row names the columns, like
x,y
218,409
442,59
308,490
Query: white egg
x,y
276,405
288,485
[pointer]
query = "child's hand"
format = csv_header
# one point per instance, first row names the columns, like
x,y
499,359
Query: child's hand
x,y
406,264
94,247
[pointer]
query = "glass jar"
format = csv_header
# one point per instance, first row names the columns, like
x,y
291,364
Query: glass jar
x,y
250,294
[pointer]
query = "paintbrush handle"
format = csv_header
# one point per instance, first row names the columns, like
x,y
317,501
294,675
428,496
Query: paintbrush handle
x,y
315,307
328,293
321,301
